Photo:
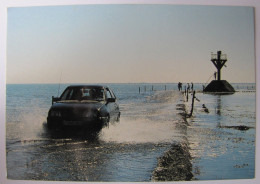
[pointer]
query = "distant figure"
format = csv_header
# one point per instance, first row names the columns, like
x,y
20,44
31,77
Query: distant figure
x,y
192,86
215,75
179,86
188,88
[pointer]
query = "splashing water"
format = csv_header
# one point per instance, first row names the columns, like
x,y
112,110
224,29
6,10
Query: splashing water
x,y
140,131
153,120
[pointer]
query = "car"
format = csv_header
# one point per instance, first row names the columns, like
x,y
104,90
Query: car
x,y
92,106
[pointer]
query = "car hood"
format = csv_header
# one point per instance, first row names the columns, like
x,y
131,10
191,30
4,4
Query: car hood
x,y
80,105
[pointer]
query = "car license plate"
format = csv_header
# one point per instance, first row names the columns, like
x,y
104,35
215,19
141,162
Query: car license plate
x,y
72,123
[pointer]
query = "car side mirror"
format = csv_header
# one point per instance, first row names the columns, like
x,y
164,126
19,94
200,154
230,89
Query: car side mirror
x,y
54,99
111,100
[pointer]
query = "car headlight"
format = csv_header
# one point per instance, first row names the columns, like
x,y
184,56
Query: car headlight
x,y
55,113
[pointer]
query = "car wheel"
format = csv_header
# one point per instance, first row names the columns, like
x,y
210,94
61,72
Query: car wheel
x,y
50,125
118,117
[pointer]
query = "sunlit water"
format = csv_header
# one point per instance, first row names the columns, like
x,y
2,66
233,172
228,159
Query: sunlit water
x,y
221,150
128,150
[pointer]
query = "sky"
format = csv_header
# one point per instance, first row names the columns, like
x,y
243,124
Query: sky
x,y
128,43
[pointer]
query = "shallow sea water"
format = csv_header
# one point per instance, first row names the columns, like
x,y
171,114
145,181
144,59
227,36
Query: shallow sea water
x,y
123,151
128,150
221,150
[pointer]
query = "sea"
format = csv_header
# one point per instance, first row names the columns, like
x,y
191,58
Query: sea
x,y
220,134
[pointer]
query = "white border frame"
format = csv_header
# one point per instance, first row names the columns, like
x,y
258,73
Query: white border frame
x,y
4,4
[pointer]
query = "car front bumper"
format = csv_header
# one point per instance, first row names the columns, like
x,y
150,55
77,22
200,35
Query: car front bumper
x,y
87,122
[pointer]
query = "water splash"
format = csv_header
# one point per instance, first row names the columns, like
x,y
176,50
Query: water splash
x,y
153,120
140,131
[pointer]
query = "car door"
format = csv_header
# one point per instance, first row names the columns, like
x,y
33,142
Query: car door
x,y
111,106
116,106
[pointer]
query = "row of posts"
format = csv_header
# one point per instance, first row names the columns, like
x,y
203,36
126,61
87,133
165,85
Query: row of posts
x,y
186,94
187,89
165,88
145,88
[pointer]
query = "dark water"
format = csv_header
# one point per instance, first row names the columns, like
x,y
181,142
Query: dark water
x,y
128,150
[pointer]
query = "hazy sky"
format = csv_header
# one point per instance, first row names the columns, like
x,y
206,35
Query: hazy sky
x,y
128,43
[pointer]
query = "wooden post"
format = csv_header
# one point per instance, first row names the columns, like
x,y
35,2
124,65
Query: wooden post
x,y
139,90
152,88
187,94
144,88
165,87
192,103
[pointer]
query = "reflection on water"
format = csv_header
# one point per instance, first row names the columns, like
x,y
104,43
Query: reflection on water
x,y
218,106
222,141
71,133
81,156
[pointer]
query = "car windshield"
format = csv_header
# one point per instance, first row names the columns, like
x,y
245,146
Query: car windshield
x,y
83,93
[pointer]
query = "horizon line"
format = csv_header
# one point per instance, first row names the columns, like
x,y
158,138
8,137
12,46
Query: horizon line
x,y
133,83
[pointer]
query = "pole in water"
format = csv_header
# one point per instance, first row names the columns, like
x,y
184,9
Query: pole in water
x,y
59,83
187,94
192,103
139,90
165,87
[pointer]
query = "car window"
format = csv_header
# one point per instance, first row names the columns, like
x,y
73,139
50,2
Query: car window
x,y
83,93
113,94
108,94
69,96
67,93
99,93
93,94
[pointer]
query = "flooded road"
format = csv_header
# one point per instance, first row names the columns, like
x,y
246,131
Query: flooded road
x,y
123,151
81,158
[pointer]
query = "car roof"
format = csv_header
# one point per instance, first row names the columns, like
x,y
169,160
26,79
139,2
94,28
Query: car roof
x,y
87,85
